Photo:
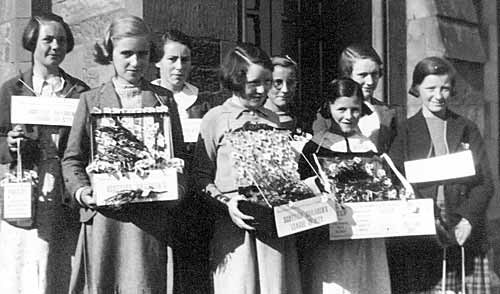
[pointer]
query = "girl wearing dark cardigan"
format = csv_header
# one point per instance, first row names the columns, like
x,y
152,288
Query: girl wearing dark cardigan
x,y
460,204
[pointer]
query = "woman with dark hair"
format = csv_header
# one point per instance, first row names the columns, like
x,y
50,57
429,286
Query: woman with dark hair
x,y
460,204
242,260
124,250
175,67
35,255
192,228
341,266
362,64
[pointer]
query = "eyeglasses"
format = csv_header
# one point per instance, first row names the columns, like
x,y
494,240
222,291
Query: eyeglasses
x,y
278,83
255,84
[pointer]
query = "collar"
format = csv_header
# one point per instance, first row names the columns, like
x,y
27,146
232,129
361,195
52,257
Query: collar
x,y
186,97
338,143
232,105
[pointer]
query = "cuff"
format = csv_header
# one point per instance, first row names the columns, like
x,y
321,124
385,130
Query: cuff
x,y
78,195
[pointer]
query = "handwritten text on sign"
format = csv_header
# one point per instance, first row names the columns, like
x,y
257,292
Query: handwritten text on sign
x,y
304,215
380,219
191,129
17,200
162,182
52,111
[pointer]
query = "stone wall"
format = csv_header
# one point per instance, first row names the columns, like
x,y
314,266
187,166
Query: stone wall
x,y
212,24
14,14
212,36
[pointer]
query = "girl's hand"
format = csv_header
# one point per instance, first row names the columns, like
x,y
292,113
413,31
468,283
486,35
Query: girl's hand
x,y
87,198
13,135
236,215
462,231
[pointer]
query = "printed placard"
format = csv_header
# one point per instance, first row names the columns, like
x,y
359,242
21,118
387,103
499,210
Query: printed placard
x,y
450,166
17,200
304,215
163,182
379,219
52,111
191,129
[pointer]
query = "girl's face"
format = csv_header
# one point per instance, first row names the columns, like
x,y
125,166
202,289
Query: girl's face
x,y
283,87
366,72
346,112
175,64
51,45
258,83
434,92
131,58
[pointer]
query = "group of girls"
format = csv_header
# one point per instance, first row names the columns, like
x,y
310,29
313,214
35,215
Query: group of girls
x,y
151,248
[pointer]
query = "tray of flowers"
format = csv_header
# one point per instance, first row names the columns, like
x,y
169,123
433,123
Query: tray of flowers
x,y
374,199
132,156
264,162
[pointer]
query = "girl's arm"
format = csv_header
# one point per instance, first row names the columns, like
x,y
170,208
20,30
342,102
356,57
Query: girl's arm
x,y
77,153
481,190
204,170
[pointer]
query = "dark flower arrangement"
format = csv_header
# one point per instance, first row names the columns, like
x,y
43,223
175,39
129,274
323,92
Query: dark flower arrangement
x,y
360,179
130,144
265,163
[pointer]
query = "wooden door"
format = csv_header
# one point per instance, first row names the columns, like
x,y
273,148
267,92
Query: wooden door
x,y
314,33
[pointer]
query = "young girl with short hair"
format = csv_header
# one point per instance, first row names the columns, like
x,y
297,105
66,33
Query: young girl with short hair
x,y
125,250
341,266
460,204
242,260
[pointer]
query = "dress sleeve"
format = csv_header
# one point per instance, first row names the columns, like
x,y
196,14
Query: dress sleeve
x,y
30,145
77,153
5,126
481,188
205,156
306,160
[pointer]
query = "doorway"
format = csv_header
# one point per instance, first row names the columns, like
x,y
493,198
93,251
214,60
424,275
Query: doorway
x,y
314,33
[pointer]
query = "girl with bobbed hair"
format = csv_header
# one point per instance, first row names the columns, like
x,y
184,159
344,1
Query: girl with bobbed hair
x,y
32,31
361,63
35,255
341,266
460,204
125,250
242,260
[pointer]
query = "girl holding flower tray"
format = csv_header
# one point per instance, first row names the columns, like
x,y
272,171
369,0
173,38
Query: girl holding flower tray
x,y
120,250
242,260
342,266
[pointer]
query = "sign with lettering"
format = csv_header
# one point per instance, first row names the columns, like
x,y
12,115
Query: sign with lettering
x,y
444,167
191,129
379,219
43,110
17,200
161,182
304,215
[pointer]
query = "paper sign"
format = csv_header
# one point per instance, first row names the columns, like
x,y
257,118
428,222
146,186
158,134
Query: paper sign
x,y
191,129
43,110
17,200
379,219
163,182
450,166
304,215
